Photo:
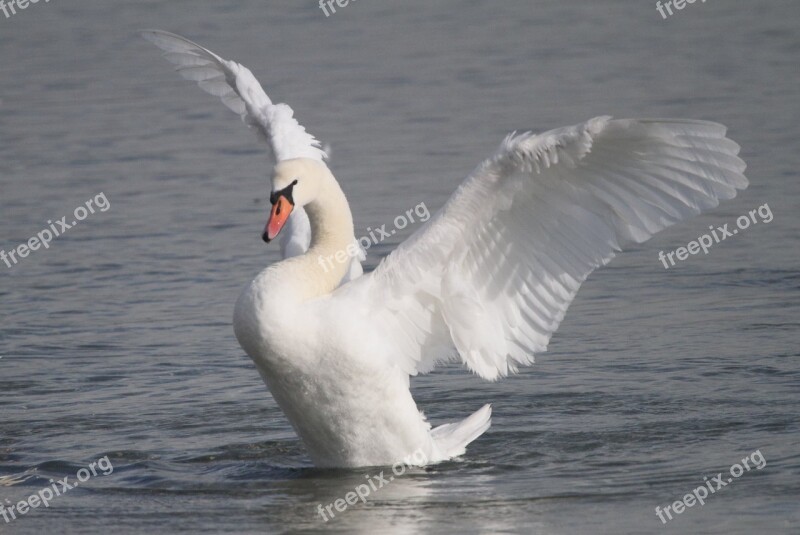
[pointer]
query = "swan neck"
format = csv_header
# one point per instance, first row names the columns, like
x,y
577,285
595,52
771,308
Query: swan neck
x,y
332,238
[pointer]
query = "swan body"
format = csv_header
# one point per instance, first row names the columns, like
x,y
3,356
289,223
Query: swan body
x,y
486,280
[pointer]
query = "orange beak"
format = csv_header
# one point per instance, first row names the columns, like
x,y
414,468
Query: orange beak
x,y
277,218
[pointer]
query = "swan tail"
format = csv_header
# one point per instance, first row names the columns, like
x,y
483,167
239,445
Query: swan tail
x,y
452,439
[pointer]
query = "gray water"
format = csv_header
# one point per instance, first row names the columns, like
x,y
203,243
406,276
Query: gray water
x,y
117,340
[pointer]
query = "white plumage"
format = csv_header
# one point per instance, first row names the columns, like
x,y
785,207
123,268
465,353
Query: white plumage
x,y
239,90
501,262
487,279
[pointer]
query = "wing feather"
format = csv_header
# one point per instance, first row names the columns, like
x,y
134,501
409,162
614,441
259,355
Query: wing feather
x,y
500,263
240,91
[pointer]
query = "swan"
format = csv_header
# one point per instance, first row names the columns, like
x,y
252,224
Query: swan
x,y
486,281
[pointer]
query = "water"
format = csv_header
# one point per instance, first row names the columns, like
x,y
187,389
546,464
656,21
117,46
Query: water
x,y
117,341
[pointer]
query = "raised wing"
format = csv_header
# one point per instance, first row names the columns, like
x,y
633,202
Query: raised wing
x,y
490,276
275,123
241,92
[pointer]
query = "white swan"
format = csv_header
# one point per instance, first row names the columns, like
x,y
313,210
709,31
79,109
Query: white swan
x,y
486,280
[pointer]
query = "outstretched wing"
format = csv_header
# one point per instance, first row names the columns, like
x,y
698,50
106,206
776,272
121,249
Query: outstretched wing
x,y
241,92
491,275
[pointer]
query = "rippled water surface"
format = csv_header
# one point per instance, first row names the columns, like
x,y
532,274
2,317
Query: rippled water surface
x,y
117,340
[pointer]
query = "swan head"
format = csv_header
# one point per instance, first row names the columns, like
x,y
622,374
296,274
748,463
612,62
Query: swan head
x,y
295,182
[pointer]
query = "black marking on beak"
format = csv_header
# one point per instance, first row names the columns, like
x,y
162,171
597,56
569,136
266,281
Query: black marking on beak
x,y
286,192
